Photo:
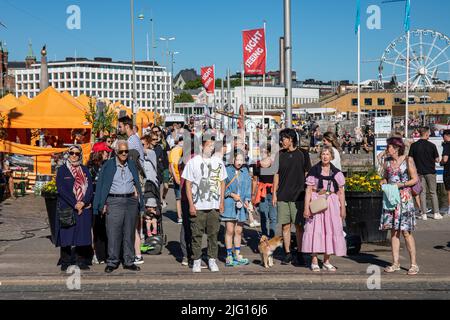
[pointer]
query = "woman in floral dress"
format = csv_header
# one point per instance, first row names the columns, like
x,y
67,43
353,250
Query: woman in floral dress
x,y
401,171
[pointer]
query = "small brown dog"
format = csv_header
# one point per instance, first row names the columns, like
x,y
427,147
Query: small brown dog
x,y
267,247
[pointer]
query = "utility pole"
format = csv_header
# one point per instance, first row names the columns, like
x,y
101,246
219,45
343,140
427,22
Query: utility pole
x,y
288,63
133,108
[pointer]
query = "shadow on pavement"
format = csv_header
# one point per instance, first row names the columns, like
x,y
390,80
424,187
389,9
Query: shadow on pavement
x,y
175,250
367,258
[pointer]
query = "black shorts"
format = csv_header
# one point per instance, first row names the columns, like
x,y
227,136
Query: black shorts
x,y
447,183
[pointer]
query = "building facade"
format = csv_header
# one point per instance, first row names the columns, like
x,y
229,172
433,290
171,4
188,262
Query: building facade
x,y
253,97
102,78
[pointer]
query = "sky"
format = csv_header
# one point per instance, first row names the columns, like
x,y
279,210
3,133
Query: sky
x,y
324,45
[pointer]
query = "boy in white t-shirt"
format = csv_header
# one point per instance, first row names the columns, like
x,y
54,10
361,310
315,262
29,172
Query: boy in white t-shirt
x,y
205,187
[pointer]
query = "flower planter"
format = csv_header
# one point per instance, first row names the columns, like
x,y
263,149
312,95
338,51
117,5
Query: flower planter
x,y
50,204
363,215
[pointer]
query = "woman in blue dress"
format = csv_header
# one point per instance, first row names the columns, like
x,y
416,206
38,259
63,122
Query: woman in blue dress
x,y
237,199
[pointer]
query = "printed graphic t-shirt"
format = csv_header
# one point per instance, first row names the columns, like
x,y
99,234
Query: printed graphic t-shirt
x,y
205,176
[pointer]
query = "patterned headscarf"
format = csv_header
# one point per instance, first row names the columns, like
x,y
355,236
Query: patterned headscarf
x,y
81,183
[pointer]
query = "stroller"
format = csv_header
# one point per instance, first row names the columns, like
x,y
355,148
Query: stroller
x,y
154,244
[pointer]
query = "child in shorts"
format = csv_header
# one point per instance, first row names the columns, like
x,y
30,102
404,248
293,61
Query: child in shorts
x,y
151,220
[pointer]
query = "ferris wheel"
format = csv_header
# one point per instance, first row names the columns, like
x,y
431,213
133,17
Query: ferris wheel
x,y
429,65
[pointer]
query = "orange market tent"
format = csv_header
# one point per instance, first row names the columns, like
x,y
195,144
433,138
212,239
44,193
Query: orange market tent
x,y
9,102
74,101
24,99
84,100
50,109
42,156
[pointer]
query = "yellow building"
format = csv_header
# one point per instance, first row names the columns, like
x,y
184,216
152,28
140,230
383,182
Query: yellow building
x,y
436,102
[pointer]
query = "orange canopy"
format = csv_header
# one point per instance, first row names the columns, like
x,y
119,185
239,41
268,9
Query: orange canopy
x,y
9,102
49,110
24,99
42,156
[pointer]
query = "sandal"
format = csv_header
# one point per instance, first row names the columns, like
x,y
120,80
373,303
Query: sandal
x,y
329,267
392,268
315,267
413,270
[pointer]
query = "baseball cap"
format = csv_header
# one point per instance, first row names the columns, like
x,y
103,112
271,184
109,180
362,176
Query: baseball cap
x,y
101,146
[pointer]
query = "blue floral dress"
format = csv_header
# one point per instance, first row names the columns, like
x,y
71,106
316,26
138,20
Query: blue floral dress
x,y
403,217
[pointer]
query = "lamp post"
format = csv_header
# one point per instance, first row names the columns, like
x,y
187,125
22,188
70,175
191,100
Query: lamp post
x,y
171,80
288,63
167,39
142,18
133,62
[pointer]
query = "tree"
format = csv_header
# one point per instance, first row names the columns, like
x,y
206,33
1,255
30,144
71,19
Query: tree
x,y
193,84
101,121
183,97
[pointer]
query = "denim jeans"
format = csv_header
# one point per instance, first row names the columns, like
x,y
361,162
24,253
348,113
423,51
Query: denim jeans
x,y
268,215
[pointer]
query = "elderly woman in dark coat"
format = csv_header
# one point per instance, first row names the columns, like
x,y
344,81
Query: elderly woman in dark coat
x,y
74,185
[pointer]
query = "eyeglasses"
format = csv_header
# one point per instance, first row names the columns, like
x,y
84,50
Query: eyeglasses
x,y
155,139
156,131
123,152
74,153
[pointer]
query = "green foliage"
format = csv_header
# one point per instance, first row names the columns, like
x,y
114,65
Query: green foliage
x,y
194,84
104,122
49,189
183,97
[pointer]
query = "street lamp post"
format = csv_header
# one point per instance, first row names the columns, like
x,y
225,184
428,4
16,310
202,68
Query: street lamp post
x,y
171,81
288,63
133,63
150,57
167,39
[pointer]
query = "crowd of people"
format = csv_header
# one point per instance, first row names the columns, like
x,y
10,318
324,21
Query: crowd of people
x,y
117,199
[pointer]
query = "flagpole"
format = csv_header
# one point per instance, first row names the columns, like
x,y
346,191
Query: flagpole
x,y
264,79
359,76
407,83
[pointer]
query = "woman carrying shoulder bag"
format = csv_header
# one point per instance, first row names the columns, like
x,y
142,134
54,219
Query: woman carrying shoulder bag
x,y
324,212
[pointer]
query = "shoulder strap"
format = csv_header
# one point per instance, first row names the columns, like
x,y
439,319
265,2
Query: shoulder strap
x,y
229,183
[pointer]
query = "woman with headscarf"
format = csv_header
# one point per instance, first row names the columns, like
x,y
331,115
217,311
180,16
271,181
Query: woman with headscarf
x,y
74,185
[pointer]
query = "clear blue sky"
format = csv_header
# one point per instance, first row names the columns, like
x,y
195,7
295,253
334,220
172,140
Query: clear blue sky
x,y
209,31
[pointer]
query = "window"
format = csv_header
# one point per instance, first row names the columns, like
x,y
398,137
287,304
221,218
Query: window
x,y
19,78
381,102
25,77
121,77
128,77
81,74
116,77
397,100
354,102
368,101
74,75
110,76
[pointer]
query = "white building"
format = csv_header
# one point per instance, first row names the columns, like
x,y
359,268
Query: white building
x,y
102,78
274,97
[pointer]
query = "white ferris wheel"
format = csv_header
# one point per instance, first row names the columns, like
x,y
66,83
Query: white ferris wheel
x,y
429,65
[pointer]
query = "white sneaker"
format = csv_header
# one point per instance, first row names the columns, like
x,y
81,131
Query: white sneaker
x,y
213,265
180,221
437,216
197,266
164,204
424,217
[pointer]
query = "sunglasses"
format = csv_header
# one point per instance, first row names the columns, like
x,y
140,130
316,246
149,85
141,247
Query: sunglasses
x,y
74,153
123,152
155,139
156,131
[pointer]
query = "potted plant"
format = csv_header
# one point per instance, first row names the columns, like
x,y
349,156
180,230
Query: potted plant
x,y
49,192
364,206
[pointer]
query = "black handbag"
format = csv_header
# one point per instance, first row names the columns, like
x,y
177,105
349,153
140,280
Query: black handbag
x,y
66,217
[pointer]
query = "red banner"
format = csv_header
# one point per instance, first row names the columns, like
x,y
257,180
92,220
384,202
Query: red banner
x,y
254,52
208,79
